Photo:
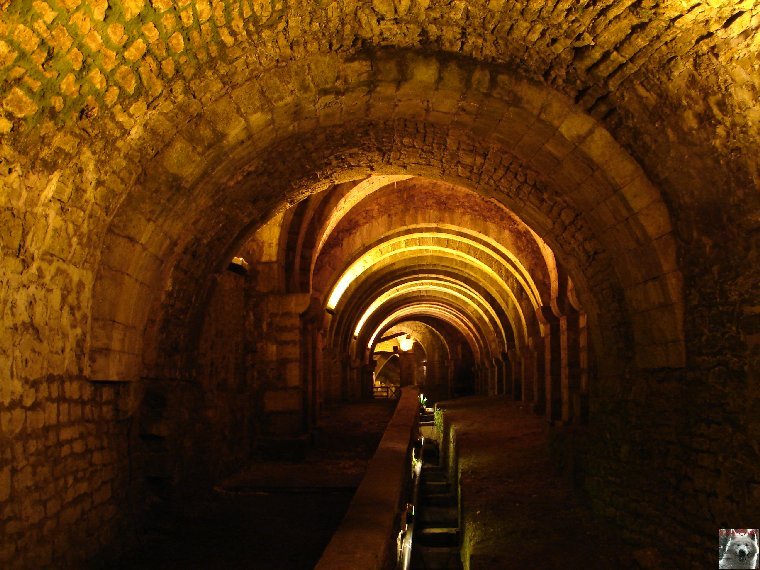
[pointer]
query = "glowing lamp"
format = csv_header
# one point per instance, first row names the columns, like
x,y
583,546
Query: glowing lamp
x,y
406,343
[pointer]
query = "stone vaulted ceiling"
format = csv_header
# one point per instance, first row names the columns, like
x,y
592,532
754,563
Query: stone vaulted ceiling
x,y
143,143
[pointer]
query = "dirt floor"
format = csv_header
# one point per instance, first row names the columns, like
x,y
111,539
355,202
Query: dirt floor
x,y
517,511
275,515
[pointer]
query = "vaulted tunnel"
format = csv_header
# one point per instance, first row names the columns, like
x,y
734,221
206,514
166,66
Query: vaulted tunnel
x,y
220,219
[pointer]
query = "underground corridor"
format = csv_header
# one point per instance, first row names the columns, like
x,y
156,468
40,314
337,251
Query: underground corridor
x,y
386,284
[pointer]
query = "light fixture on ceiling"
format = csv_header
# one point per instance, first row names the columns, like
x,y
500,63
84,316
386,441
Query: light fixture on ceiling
x,y
406,343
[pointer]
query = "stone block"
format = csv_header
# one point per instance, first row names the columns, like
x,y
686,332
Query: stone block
x,y
655,218
533,140
19,103
180,158
132,8
69,433
126,79
292,374
51,413
5,483
639,193
35,420
225,117
8,552
29,396
605,152
53,507
70,515
102,495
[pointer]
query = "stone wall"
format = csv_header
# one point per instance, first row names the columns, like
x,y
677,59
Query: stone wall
x,y
669,457
65,469
119,114
193,433
64,474
224,376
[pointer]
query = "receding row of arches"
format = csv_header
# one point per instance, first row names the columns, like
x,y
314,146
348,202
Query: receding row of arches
x,y
517,245
551,201
355,272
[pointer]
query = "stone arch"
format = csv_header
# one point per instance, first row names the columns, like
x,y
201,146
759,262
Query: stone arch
x,y
518,142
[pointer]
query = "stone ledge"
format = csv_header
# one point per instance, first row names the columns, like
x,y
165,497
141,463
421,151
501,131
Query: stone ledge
x,y
366,537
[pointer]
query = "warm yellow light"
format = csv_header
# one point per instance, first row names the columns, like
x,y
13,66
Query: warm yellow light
x,y
447,314
354,196
467,295
406,343
398,246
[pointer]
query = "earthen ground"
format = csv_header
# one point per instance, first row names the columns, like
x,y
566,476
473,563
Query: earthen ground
x,y
517,510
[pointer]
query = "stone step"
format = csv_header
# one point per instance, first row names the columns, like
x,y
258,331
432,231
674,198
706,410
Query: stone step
x,y
438,500
442,516
436,536
436,558
434,475
435,488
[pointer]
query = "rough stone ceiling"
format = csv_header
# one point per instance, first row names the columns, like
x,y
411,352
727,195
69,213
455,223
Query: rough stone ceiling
x,y
162,125
100,67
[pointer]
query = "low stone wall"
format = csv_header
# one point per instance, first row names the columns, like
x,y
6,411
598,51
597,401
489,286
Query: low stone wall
x,y
366,537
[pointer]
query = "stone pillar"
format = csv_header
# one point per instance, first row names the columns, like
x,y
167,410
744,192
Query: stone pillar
x,y
552,366
355,381
367,381
581,405
284,384
311,361
539,375
516,380
570,342
501,370
528,359
408,366
479,382
508,364
492,375
333,377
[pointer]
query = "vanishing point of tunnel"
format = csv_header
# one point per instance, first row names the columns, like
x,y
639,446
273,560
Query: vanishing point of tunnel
x,y
240,238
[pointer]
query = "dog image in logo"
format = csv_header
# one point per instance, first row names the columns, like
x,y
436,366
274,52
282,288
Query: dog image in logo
x,y
741,548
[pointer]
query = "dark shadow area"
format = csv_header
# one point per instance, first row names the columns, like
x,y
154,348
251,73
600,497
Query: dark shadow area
x,y
263,530
273,514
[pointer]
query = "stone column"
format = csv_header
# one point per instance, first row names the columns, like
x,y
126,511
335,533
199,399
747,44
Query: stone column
x,y
283,382
581,405
367,380
552,366
508,363
408,366
516,379
569,330
528,358
479,382
500,372
311,361
451,366
539,375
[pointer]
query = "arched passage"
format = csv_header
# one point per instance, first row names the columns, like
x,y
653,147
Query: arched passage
x,y
144,143
615,230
